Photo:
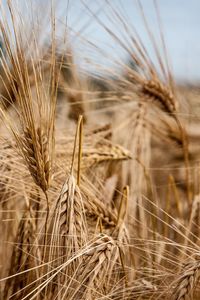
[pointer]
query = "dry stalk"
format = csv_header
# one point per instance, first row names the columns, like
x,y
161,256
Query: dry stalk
x,y
122,236
133,172
25,255
72,86
194,223
192,232
138,289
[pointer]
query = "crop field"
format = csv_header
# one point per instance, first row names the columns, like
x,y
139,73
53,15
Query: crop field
x,y
99,163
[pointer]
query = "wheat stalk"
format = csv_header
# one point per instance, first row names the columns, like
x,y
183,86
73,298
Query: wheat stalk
x,y
25,255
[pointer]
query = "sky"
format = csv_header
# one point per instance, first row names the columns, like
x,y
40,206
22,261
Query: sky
x,y
87,18
180,22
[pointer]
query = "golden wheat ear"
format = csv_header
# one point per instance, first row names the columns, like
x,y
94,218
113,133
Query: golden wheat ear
x,y
184,286
34,94
98,271
68,227
35,135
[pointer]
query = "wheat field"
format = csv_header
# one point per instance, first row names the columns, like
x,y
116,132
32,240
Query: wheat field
x,y
100,173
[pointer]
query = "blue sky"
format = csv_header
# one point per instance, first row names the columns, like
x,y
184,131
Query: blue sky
x,y
180,20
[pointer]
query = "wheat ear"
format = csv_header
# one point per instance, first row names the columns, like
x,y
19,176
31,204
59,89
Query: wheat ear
x,y
185,285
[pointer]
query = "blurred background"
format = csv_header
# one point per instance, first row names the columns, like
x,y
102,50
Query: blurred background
x,y
180,27
86,21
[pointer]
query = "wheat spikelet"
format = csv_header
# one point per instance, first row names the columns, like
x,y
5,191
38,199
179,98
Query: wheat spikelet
x,y
102,258
97,209
100,217
156,90
70,215
34,131
187,281
96,151
37,157
105,152
67,228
